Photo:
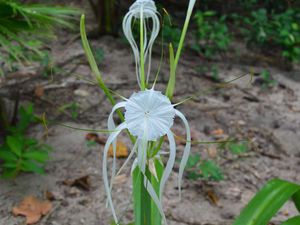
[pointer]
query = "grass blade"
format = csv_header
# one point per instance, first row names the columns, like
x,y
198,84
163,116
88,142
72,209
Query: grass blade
x,y
172,79
292,221
267,202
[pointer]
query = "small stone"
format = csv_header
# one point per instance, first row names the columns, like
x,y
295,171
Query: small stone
x,y
81,93
74,192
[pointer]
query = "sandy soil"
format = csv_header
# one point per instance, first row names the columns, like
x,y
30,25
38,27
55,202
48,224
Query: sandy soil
x,y
269,116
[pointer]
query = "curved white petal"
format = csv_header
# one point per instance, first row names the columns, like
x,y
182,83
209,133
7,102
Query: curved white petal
x,y
144,10
186,151
134,165
110,139
170,163
128,158
142,150
111,126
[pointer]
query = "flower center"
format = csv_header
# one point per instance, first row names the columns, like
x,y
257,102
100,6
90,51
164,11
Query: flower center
x,y
149,114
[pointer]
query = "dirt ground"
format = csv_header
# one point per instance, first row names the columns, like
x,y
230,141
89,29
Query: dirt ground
x,y
270,117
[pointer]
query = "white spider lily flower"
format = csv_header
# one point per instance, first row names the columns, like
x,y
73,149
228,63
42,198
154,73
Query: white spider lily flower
x,y
146,11
149,115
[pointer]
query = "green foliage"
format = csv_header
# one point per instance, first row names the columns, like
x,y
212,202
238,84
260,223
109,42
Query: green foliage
x,y
237,148
171,33
25,27
72,107
234,147
280,29
212,71
292,221
197,168
90,143
212,35
268,81
146,214
259,26
267,202
48,66
19,153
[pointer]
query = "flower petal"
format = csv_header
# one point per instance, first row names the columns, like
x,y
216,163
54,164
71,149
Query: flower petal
x,y
128,158
186,151
111,126
145,11
170,163
110,139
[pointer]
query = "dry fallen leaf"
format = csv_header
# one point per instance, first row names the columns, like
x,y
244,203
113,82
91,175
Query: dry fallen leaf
x,y
94,137
218,132
32,208
82,182
121,151
49,195
213,198
39,91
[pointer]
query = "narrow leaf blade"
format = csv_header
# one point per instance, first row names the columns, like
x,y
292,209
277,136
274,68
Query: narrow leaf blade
x,y
292,221
172,79
267,202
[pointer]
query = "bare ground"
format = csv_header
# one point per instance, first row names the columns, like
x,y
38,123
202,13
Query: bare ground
x,y
268,116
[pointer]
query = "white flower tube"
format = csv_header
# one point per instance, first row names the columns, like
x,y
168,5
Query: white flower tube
x,y
146,11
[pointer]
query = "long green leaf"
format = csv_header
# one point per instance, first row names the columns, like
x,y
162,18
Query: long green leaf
x,y
184,30
96,71
137,181
20,22
296,200
172,79
93,63
159,168
267,202
292,221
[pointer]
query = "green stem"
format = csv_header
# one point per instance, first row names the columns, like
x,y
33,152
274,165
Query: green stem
x,y
142,200
145,210
158,147
174,61
182,38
